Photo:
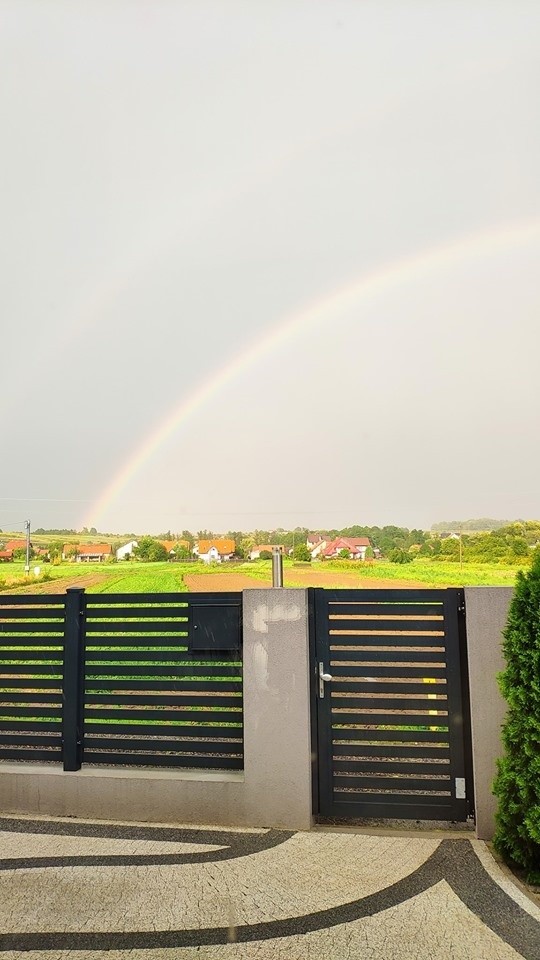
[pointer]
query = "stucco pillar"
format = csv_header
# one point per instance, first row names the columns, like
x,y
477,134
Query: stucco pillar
x,y
487,612
277,736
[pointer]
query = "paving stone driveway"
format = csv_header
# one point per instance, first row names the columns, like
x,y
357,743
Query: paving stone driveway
x,y
71,888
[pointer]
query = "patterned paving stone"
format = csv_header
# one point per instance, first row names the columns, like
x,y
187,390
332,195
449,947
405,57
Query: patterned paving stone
x,y
77,889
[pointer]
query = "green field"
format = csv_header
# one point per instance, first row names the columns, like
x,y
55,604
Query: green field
x,y
136,577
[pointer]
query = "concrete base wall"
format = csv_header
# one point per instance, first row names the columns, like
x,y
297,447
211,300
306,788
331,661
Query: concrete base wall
x,y
487,612
274,790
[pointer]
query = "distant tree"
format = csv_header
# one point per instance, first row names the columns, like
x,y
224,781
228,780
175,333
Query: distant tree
x,y
265,555
55,548
150,549
181,552
344,555
301,552
245,546
20,553
520,547
369,554
517,785
93,531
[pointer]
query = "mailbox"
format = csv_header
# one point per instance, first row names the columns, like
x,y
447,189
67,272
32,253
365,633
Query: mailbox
x,y
215,626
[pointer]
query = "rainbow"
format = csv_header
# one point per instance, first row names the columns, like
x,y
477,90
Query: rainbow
x,y
408,269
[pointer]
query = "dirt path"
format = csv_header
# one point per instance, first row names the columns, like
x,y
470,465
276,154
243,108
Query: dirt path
x,y
61,585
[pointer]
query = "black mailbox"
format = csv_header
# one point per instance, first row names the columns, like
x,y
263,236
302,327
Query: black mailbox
x,y
214,626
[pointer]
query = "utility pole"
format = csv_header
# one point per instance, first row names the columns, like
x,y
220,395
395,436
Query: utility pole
x,y
27,564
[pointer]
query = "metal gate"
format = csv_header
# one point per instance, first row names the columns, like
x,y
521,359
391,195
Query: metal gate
x,y
392,705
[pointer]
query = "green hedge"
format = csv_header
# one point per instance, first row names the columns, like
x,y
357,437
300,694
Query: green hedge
x,y
517,784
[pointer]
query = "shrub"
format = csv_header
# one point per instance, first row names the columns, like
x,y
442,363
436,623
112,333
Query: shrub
x,y
301,552
517,785
399,556
265,555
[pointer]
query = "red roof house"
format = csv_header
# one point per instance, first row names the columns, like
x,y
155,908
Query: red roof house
x,y
355,546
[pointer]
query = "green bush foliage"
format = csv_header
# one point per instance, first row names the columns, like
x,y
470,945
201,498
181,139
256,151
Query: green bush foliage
x,y
301,552
517,785
400,556
150,549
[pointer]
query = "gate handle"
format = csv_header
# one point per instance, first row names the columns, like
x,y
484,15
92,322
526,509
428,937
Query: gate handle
x,y
323,678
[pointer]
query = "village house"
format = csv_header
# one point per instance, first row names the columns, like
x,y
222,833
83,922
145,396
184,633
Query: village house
x,y
126,550
255,552
172,546
87,552
12,545
355,546
214,551
316,544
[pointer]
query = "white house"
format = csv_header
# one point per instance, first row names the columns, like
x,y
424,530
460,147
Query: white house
x,y
316,547
214,551
126,550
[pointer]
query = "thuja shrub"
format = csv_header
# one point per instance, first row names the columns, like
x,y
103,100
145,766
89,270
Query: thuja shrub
x,y
517,785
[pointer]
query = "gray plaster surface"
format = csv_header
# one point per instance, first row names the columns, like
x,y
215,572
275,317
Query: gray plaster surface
x,y
487,613
111,890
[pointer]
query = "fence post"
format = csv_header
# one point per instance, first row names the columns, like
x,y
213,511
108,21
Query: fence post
x,y
73,685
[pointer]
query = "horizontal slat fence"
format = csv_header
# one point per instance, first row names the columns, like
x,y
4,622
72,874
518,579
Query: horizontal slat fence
x,y
111,679
31,672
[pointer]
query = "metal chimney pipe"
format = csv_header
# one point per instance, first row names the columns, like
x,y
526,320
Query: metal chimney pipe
x,y
277,567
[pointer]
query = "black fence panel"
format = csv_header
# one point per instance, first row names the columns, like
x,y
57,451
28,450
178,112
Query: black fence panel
x,y
122,679
163,680
31,676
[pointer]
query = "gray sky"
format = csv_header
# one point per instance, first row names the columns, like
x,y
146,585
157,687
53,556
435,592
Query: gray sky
x,y
178,178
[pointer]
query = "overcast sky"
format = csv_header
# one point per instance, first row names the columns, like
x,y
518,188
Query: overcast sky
x,y
179,178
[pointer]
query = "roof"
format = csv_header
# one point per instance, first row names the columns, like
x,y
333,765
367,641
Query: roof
x,y
223,546
268,546
85,549
6,554
15,545
171,544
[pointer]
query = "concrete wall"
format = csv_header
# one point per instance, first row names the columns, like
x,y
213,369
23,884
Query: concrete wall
x,y
274,789
487,611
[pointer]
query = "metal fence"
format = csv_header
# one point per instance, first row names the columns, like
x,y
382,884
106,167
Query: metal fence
x,y
124,679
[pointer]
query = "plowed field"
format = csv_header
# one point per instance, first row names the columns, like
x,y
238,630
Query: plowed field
x,y
347,580
210,583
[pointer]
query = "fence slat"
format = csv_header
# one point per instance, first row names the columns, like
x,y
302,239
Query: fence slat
x,y
111,679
